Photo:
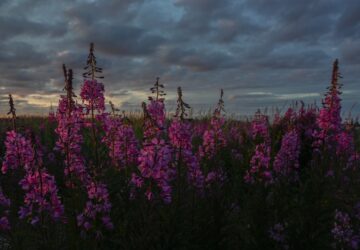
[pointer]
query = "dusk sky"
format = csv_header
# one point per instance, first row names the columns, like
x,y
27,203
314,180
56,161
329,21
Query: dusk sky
x,y
262,53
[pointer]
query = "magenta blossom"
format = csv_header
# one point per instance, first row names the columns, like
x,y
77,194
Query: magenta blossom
x,y
277,234
4,217
286,162
156,109
19,152
260,127
97,210
213,138
260,162
180,137
69,141
92,95
154,119
121,142
329,120
260,166
155,167
41,196
343,232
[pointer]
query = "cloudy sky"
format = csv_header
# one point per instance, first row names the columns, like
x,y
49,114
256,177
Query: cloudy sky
x,y
263,53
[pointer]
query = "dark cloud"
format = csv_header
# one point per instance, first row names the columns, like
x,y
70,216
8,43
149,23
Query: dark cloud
x,y
198,60
350,51
263,53
120,40
11,26
348,24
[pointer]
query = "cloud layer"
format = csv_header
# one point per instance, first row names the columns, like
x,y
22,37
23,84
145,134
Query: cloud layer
x,y
262,53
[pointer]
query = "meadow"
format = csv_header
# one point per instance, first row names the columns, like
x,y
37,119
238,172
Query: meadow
x,y
88,178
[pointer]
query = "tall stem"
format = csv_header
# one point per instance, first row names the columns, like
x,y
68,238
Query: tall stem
x,y
95,145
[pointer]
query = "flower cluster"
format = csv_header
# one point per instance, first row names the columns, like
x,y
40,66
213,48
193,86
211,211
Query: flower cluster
x,y
19,152
199,128
286,162
213,138
121,142
306,122
70,120
260,162
155,166
41,196
156,110
329,119
180,138
260,166
4,219
345,143
259,126
277,234
92,95
343,232
150,125
180,134
96,213
41,191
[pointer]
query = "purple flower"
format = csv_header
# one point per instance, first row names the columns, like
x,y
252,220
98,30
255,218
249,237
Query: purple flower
x,y
70,120
330,135
286,162
41,196
277,233
260,162
213,138
121,142
19,152
260,166
92,95
5,205
97,209
180,137
155,167
343,232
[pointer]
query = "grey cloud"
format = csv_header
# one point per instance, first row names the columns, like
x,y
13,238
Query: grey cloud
x,y
11,26
350,50
248,46
348,24
198,60
21,55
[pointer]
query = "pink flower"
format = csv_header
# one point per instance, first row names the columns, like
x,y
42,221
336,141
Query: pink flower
x,y
213,138
260,162
19,152
343,232
96,213
121,142
180,137
259,126
157,111
345,143
92,95
70,120
4,223
260,166
41,196
329,119
286,162
155,167
5,204
154,119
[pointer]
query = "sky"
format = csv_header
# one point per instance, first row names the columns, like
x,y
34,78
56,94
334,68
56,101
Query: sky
x,y
264,54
